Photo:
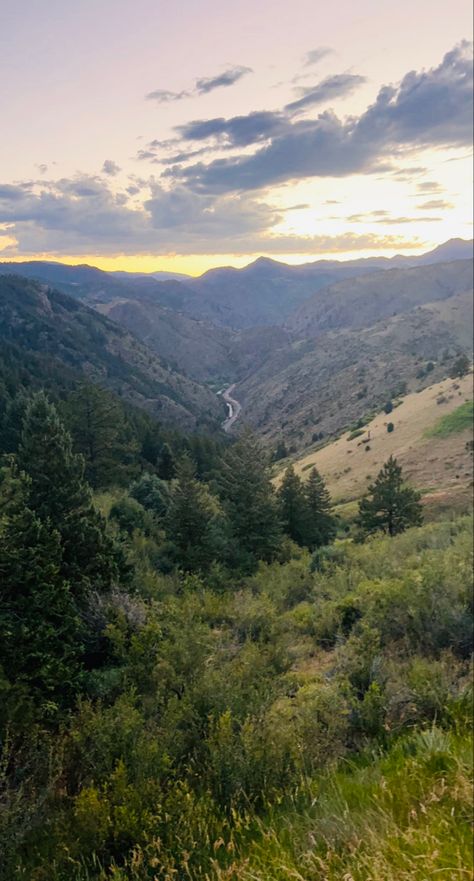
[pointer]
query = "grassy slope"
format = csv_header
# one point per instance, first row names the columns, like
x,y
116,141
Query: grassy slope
x,y
436,464
399,817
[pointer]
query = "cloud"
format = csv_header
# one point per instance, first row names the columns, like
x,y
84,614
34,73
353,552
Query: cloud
x,y
314,56
241,131
228,78
110,167
429,186
382,216
428,109
327,90
202,86
434,204
163,96
81,216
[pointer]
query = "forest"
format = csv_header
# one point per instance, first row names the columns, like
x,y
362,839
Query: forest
x,y
205,677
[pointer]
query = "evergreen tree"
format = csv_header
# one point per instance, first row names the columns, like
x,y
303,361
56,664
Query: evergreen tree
x,y
152,492
391,507
320,524
11,422
193,521
40,629
100,432
250,502
166,464
60,497
292,503
461,366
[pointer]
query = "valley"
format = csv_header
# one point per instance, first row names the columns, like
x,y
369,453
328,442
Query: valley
x,y
300,352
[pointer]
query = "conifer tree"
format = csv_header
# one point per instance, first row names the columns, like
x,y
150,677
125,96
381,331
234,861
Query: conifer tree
x,y
40,629
250,502
292,503
101,434
166,464
60,497
390,507
192,522
320,525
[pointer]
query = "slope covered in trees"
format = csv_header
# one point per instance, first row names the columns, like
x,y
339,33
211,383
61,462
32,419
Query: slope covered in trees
x,y
45,331
181,681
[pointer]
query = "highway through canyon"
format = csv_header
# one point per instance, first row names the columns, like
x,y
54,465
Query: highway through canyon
x,y
233,406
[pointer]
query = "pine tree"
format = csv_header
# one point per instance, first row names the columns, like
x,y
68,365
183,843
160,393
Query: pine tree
x,y
292,504
192,522
60,497
391,507
166,464
250,502
40,629
101,434
320,525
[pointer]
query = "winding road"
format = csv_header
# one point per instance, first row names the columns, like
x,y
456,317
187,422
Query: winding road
x,y
233,406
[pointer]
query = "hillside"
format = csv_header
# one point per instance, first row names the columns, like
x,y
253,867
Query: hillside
x,y
266,292
331,374
37,322
429,439
360,302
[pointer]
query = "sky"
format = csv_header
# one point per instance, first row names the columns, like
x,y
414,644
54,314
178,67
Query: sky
x,y
179,135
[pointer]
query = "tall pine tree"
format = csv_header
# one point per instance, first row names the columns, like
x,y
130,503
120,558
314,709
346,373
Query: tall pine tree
x,y
41,631
250,502
60,497
194,520
101,434
391,507
292,503
320,524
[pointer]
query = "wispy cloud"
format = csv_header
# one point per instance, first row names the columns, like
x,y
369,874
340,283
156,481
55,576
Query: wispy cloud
x,y
336,86
202,86
314,56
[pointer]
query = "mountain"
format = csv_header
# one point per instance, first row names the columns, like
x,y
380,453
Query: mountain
x,y
195,347
361,301
60,333
264,293
354,345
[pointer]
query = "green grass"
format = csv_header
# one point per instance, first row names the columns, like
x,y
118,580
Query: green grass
x,y
402,816
454,422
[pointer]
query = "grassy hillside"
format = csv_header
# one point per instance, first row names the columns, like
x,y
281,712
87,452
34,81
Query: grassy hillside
x,y
431,435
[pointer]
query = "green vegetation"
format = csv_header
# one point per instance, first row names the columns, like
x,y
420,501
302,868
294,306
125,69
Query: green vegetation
x,y
459,420
390,506
204,683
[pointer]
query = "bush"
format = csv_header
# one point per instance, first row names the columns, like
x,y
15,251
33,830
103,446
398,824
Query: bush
x,y
390,427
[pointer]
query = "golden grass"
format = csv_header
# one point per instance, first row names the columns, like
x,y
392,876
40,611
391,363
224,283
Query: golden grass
x,y
433,464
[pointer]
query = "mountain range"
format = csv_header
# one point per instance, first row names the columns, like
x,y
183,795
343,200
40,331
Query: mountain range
x,y
310,347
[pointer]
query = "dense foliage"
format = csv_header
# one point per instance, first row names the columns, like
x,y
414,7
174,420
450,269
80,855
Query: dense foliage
x,y
200,682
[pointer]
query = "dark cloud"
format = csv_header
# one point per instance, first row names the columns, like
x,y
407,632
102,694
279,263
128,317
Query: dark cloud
x,y
240,131
327,90
314,56
110,167
431,108
228,78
